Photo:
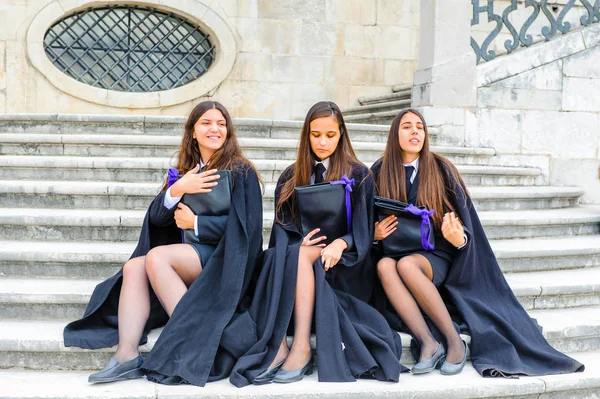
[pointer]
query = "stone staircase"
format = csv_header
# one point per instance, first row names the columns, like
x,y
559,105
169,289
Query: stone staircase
x,y
73,190
379,109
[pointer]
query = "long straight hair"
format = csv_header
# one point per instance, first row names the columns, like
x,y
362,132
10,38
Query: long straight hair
x,y
229,156
340,162
435,174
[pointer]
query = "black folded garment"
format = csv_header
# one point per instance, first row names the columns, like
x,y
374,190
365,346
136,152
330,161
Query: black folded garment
x,y
215,203
322,206
414,232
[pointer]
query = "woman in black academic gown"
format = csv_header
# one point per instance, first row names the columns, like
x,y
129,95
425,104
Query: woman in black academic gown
x,y
504,339
303,278
196,286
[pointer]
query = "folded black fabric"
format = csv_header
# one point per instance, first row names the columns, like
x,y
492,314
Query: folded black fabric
x,y
414,231
322,206
214,204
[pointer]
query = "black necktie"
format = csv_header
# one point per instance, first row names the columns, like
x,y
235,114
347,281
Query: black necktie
x,y
319,170
408,170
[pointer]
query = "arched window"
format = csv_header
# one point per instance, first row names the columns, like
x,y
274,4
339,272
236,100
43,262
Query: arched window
x,y
129,48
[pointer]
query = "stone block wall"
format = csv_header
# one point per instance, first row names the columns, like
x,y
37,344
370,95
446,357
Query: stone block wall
x,y
541,105
290,54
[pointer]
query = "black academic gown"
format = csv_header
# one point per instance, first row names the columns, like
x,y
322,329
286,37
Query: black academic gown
x,y
353,339
505,340
195,345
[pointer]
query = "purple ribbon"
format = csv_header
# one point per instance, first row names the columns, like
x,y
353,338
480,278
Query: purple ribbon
x,y
172,176
348,186
425,224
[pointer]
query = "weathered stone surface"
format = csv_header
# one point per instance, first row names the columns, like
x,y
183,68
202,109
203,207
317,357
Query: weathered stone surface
x,y
546,77
293,69
561,134
321,39
361,41
399,72
581,94
583,64
362,12
509,98
587,175
398,12
311,10
354,71
500,129
399,43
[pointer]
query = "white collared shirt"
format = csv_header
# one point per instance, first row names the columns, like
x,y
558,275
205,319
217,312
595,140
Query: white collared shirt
x,y
414,164
326,164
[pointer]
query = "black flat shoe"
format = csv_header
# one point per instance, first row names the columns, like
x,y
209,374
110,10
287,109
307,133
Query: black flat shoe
x,y
430,364
286,376
268,375
115,371
452,368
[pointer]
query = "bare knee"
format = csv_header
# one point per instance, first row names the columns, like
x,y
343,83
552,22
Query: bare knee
x,y
154,262
134,269
386,267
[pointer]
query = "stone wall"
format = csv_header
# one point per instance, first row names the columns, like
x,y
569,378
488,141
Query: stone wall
x,y
290,54
541,106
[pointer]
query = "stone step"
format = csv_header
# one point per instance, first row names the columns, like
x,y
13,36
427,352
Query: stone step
x,y
165,125
580,220
536,254
25,384
524,198
404,94
50,299
38,344
165,146
87,260
139,169
43,224
557,289
377,118
93,260
397,88
387,106
132,195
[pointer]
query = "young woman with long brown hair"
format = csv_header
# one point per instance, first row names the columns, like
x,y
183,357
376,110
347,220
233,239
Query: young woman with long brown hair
x,y
152,288
303,278
462,267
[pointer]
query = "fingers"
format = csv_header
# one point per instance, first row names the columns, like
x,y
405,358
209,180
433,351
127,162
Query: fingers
x,y
195,170
312,233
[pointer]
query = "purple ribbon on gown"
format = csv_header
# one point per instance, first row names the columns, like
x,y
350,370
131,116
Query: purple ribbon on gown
x,y
172,176
425,224
348,187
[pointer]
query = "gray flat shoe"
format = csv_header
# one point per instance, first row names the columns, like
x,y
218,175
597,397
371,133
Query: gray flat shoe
x,y
115,371
286,376
430,364
268,375
452,368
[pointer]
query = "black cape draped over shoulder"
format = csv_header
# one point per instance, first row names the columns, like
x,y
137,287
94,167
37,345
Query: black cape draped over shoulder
x,y
196,344
505,340
353,338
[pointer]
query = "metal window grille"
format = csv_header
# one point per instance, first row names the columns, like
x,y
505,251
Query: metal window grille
x,y
129,48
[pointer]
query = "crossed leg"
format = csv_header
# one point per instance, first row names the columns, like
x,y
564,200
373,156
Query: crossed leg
x,y
409,287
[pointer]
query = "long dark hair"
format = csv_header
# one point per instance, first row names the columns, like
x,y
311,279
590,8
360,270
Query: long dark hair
x,y
340,162
229,156
435,174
